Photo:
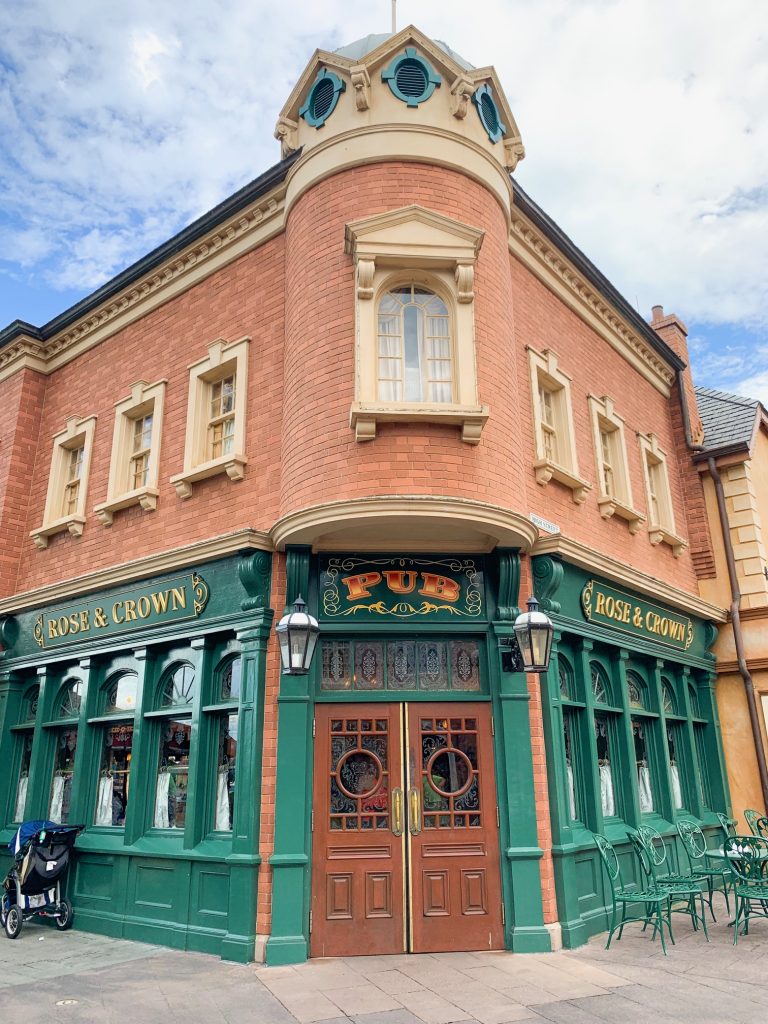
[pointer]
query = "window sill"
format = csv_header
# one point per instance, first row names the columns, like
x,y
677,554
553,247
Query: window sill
x,y
610,506
72,524
658,535
364,417
547,470
232,465
144,496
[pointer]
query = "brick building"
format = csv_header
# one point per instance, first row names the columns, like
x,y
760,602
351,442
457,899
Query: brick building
x,y
378,376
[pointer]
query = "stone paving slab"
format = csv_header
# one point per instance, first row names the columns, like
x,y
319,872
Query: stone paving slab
x,y
76,978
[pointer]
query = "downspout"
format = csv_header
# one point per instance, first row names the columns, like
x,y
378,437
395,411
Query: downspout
x,y
738,636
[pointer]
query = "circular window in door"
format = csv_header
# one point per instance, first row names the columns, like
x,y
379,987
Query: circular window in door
x,y
450,772
359,773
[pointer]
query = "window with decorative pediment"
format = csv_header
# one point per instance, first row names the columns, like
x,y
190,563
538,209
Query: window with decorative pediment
x,y
65,503
415,344
661,519
553,425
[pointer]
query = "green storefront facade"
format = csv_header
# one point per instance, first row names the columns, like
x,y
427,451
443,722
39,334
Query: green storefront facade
x,y
146,702
138,712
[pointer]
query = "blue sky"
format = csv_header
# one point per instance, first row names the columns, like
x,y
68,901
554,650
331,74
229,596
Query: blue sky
x,y
645,125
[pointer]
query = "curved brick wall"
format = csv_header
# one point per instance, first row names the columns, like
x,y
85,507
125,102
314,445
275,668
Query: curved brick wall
x,y
321,461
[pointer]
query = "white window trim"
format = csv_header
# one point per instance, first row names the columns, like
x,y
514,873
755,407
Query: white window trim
x,y
77,431
545,370
143,400
602,412
659,532
414,245
223,359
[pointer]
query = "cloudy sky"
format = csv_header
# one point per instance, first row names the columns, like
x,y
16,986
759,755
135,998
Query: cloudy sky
x,y
645,124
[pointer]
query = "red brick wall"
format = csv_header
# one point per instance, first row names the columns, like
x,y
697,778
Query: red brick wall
x,y
321,459
21,402
245,298
543,321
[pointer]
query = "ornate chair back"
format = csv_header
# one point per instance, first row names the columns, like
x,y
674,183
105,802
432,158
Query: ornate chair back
x,y
611,862
694,841
751,817
650,853
748,857
761,828
728,825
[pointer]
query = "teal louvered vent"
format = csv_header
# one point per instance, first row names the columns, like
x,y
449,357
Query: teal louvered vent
x,y
488,112
322,98
411,78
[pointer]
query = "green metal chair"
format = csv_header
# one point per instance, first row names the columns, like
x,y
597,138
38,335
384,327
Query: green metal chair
x,y
654,903
682,890
728,825
761,828
748,856
695,845
751,817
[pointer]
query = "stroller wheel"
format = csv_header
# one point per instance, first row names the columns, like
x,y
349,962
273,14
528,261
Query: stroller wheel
x,y
65,913
14,921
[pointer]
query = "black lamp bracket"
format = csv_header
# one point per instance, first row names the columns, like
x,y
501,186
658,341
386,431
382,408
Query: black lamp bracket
x,y
511,657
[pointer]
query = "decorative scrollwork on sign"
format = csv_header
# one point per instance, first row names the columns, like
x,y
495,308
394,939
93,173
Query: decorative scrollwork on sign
x,y
39,632
586,599
689,635
201,593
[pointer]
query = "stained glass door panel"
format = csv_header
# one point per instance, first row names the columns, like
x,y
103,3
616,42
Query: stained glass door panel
x,y
454,836
358,891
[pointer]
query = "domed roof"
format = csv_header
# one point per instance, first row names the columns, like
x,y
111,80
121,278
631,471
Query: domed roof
x,y
362,47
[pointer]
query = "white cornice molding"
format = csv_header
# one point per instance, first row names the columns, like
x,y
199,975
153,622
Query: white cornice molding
x,y
380,522
238,235
140,568
619,572
537,253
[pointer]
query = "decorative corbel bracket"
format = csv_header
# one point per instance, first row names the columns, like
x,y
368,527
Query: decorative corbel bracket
x,y
287,134
361,82
465,282
514,151
365,271
461,94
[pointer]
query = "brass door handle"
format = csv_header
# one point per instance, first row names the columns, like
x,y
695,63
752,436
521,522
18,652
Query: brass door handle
x,y
414,811
397,811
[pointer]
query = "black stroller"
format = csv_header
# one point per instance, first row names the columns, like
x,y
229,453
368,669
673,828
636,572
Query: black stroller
x,y
33,885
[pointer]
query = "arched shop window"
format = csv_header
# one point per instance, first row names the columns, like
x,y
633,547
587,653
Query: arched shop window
x,y
67,716
642,728
118,707
605,734
224,721
700,742
675,723
174,723
572,712
25,732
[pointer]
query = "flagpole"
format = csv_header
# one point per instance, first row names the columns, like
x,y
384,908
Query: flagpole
x,y
394,16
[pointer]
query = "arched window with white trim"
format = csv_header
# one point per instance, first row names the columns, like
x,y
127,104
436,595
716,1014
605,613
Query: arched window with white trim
x,y
415,349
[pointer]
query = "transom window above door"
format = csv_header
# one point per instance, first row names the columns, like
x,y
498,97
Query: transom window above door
x,y
400,665
415,361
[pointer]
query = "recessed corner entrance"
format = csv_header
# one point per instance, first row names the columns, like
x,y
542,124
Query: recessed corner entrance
x,y
405,830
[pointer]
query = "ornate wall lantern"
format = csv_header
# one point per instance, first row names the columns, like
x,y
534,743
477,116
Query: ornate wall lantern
x,y
297,632
530,648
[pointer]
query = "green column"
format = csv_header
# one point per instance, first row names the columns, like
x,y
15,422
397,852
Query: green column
x,y
244,860
525,931
39,783
290,861
692,754
11,691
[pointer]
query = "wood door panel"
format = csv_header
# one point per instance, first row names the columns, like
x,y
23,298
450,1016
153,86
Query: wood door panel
x,y
358,883
455,861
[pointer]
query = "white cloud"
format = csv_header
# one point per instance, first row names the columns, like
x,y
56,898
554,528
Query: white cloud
x,y
645,124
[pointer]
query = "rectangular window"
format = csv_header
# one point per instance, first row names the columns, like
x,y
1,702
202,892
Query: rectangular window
x,y
554,432
221,423
142,446
172,774
570,764
225,773
400,665
548,424
22,785
114,778
415,361
604,767
607,451
63,774
74,464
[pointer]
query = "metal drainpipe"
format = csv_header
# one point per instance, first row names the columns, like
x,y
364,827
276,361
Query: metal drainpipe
x,y
738,636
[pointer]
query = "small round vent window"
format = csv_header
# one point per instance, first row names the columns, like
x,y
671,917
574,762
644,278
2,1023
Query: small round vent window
x,y
322,98
488,112
411,78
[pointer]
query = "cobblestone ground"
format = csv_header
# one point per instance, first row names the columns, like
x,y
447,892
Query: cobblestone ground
x,y
75,978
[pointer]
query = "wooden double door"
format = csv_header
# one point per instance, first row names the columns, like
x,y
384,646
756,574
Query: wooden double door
x,y
405,830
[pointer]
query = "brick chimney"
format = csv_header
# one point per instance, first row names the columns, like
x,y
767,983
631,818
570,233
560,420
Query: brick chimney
x,y
671,329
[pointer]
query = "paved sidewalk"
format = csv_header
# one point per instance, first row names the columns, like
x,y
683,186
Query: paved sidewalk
x,y
75,978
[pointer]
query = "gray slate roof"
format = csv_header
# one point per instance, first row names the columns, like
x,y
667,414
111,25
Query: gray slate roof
x,y
362,47
728,419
